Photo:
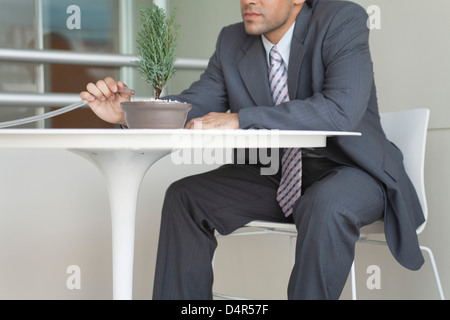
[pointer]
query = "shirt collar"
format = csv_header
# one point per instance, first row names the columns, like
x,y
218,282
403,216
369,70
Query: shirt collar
x,y
283,46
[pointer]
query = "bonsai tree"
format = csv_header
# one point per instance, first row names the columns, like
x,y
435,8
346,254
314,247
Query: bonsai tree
x,y
156,44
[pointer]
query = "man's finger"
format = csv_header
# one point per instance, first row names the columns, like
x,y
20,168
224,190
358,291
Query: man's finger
x,y
112,85
103,87
84,95
95,91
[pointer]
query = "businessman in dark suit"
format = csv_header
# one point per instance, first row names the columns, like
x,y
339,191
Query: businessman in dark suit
x,y
323,48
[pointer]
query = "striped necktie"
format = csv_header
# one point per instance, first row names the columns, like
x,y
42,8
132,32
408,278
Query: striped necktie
x,y
291,163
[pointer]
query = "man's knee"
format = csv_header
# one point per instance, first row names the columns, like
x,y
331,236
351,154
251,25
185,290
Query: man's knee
x,y
177,198
177,188
183,189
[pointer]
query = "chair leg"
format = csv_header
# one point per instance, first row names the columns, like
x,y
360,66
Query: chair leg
x,y
353,281
435,271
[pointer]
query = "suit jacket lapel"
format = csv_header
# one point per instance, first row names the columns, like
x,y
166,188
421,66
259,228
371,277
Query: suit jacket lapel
x,y
297,48
255,73
295,62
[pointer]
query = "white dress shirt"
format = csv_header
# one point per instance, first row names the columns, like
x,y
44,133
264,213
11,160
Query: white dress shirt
x,y
283,46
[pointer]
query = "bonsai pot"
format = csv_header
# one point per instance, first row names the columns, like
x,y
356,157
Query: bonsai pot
x,y
156,114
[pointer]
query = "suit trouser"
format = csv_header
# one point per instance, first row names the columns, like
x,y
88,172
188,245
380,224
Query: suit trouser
x,y
336,202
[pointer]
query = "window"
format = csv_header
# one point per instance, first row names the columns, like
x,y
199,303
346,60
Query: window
x,y
67,25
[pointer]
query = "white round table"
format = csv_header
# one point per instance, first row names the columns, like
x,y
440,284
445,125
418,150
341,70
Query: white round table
x,y
124,156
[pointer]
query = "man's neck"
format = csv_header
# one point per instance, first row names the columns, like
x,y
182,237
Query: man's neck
x,y
275,36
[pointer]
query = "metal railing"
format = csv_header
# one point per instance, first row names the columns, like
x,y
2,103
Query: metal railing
x,y
38,99
86,59
71,58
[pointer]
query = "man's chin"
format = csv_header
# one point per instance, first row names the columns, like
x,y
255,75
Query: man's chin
x,y
251,30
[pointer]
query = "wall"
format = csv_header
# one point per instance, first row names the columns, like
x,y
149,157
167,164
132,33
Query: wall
x,y
411,66
198,41
54,213
40,237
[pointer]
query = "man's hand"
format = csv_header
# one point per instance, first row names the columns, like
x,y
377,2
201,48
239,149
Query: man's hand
x,y
104,99
215,120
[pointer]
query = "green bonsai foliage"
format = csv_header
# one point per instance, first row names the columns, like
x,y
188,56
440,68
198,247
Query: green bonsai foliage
x,y
156,44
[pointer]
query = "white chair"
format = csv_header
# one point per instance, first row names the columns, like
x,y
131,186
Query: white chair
x,y
408,131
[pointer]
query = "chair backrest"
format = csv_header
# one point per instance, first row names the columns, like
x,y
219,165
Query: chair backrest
x,y
408,131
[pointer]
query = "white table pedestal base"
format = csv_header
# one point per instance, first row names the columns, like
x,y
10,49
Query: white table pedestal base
x,y
123,171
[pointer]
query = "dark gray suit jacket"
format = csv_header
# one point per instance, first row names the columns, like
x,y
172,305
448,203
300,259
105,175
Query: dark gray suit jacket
x,y
331,87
